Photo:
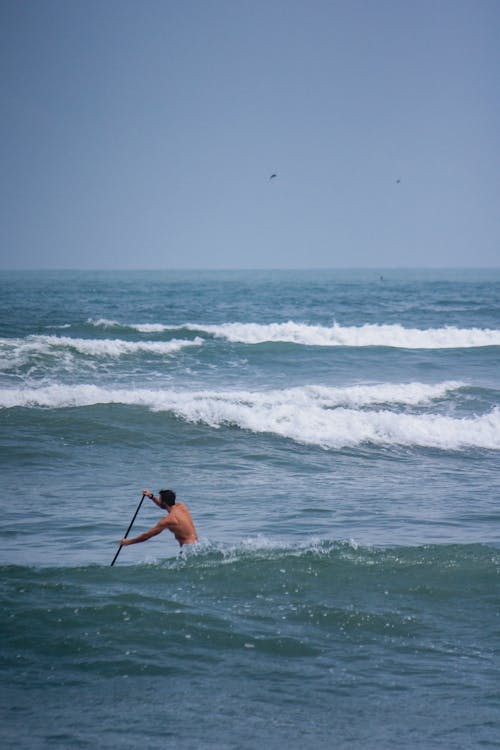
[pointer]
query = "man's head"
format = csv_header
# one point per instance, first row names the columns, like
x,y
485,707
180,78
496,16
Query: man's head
x,y
167,498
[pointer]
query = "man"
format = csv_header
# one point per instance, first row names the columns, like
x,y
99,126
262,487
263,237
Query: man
x,y
178,520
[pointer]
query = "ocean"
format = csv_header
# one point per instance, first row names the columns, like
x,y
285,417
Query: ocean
x,y
336,437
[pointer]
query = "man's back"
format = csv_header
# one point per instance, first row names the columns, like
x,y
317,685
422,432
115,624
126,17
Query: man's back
x,y
180,523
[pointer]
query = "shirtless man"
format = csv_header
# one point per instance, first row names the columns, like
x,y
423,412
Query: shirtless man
x,y
178,520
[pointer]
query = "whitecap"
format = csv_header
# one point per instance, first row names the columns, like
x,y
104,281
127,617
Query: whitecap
x,y
331,418
36,344
356,336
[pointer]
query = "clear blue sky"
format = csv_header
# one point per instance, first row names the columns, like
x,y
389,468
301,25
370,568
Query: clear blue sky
x,y
142,134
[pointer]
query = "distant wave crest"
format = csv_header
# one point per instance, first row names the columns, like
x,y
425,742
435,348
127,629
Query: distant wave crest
x,y
141,327
393,335
20,349
365,335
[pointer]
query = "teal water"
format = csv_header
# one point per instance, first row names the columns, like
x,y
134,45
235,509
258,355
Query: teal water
x,y
336,436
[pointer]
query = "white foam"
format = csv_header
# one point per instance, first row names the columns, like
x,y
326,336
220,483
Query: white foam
x,y
316,415
103,323
394,335
323,397
211,553
365,335
141,327
18,348
152,327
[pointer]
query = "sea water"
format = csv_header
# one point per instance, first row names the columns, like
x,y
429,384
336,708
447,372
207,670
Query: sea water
x,y
336,436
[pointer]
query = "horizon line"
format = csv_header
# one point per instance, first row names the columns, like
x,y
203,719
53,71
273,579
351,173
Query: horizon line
x,y
38,269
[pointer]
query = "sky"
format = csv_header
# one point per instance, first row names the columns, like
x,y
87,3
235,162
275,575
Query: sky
x,y
143,134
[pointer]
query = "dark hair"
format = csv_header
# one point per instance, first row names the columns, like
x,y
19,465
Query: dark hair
x,y
167,497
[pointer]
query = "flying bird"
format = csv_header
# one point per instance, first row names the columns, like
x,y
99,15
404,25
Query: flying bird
x,y
273,176
397,182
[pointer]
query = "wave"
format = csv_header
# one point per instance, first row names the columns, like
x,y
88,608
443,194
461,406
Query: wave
x,y
60,396
141,327
311,604
210,554
19,351
331,418
366,335
448,337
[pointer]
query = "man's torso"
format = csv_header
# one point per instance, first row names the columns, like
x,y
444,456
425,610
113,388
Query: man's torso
x,y
180,523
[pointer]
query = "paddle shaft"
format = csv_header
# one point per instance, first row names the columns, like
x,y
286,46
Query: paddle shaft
x,y
128,530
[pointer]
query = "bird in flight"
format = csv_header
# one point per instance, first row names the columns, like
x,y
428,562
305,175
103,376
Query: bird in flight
x,y
273,176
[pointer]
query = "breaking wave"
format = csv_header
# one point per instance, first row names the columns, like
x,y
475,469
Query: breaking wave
x,y
20,350
327,417
398,336
366,335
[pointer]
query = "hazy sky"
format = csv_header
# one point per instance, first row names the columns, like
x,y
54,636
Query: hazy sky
x,y
142,133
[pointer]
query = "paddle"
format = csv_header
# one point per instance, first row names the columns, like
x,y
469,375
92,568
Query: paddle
x,y
128,530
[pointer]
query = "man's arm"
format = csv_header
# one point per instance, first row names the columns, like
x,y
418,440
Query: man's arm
x,y
160,526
